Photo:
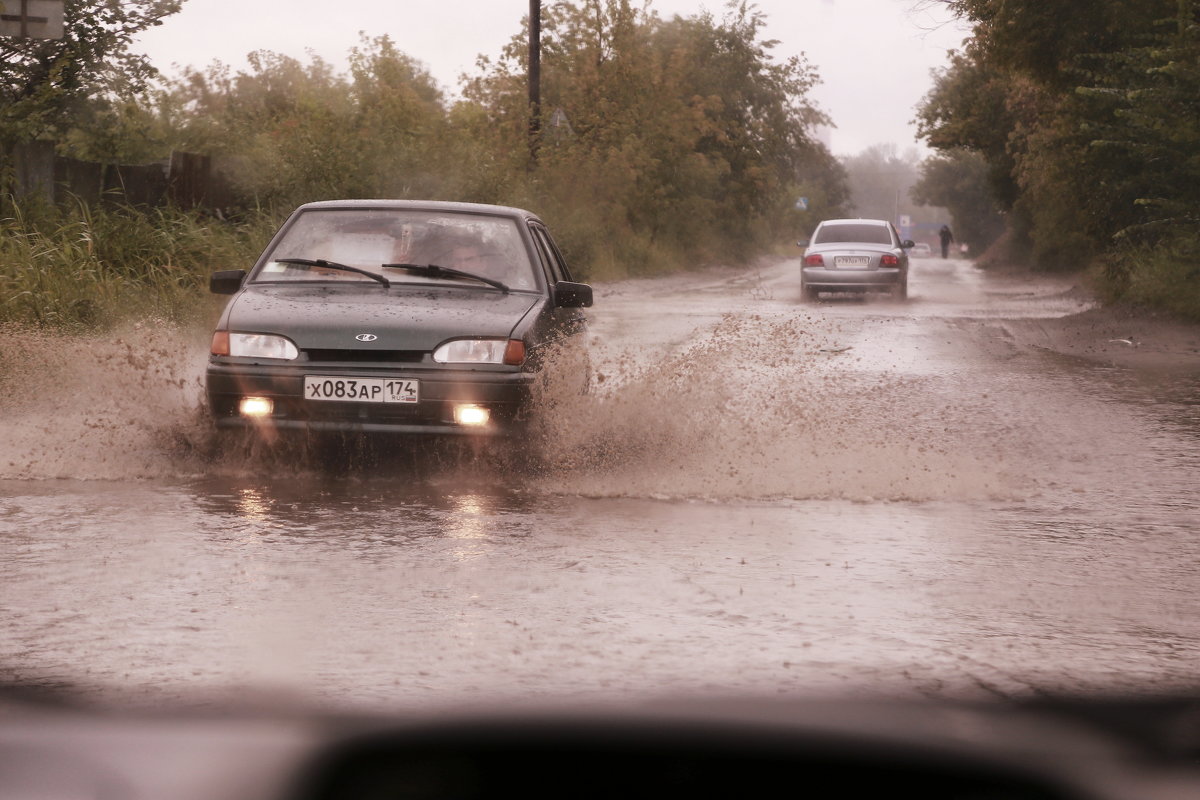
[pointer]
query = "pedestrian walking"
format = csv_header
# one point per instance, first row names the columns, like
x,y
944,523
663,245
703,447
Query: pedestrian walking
x,y
947,237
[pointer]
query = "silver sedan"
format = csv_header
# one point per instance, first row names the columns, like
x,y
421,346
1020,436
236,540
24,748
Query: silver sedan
x,y
855,255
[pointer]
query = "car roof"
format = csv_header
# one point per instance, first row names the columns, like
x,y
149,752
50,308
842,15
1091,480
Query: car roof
x,y
425,205
854,222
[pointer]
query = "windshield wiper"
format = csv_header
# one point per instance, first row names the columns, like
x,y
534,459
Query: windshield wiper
x,y
434,271
323,264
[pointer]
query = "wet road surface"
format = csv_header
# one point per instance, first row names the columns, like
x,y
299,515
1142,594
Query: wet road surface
x,y
761,496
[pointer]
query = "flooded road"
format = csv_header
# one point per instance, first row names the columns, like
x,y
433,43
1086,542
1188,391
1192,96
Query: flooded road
x,y
760,496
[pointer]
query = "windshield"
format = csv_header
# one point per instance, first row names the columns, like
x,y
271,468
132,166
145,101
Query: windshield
x,y
368,239
853,232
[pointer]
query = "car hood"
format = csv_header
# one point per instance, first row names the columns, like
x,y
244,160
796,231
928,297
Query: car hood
x,y
402,318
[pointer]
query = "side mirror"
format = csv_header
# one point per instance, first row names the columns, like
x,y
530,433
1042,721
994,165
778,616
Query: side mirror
x,y
802,243
226,281
567,294
908,244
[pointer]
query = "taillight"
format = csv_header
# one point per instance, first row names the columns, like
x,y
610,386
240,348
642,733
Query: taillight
x,y
220,343
815,260
889,260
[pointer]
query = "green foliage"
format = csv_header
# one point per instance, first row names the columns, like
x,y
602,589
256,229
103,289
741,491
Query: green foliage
x,y
968,108
1143,111
683,138
1087,113
88,267
299,132
47,86
822,179
1041,40
958,180
667,143
1164,276
116,130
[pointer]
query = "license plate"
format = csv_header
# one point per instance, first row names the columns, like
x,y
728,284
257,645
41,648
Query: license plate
x,y
361,390
852,261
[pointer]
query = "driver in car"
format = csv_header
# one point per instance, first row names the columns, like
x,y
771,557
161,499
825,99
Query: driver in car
x,y
470,255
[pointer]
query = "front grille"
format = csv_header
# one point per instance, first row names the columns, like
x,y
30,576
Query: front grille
x,y
360,356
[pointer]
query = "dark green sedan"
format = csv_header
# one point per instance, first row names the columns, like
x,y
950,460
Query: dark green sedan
x,y
390,316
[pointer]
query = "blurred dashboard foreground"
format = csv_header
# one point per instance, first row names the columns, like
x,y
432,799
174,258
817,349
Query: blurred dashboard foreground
x,y
1137,749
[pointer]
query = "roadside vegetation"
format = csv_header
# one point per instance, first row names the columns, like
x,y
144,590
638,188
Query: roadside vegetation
x,y
664,144
85,267
1084,118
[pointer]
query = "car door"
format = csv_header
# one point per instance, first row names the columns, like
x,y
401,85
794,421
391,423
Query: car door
x,y
566,321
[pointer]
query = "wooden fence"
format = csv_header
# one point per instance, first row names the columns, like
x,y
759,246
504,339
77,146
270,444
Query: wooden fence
x,y
186,180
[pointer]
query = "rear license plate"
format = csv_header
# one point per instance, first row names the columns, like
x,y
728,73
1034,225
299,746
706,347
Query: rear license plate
x,y
361,390
852,261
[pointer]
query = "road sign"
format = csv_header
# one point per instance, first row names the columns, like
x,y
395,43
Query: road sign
x,y
802,204
905,221
31,19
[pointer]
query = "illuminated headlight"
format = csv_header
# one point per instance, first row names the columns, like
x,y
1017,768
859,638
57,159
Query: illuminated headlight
x,y
471,415
256,407
481,351
259,345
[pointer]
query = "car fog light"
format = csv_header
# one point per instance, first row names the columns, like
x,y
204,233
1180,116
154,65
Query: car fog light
x,y
471,415
256,407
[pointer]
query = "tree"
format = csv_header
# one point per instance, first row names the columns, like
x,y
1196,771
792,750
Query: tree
x,y
1043,41
301,132
958,181
1142,112
968,108
46,84
1084,111
686,134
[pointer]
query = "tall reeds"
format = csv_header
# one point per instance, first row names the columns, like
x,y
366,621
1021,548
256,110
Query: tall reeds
x,y
86,267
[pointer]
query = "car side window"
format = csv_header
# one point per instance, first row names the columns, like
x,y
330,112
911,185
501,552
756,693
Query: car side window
x,y
550,255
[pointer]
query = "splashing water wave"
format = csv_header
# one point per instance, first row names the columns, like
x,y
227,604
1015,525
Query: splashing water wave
x,y
118,406
751,409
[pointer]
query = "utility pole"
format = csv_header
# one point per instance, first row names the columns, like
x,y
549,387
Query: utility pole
x,y
35,19
535,78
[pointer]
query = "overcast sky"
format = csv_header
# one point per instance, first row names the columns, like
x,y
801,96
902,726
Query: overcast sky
x,y
874,56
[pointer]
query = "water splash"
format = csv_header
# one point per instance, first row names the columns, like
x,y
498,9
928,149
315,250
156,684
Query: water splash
x,y
115,406
755,408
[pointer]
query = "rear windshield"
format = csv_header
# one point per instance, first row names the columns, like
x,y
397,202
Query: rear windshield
x,y
853,232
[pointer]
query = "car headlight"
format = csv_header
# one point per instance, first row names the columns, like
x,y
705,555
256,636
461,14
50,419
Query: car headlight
x,y
253,345
481,351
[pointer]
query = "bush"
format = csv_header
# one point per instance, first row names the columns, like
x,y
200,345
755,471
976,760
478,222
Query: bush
x,y
1166,277
94,267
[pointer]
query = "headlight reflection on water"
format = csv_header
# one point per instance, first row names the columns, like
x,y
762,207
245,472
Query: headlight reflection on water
x,y
252,505
469,522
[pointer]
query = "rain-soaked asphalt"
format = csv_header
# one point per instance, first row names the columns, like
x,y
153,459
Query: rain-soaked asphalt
x,y
759,497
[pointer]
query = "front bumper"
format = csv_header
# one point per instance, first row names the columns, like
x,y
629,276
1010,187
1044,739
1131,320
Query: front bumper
x,y
506,395
852,280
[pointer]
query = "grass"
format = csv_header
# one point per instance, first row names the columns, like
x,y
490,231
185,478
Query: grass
x,y
87,268
92,267
1162,278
